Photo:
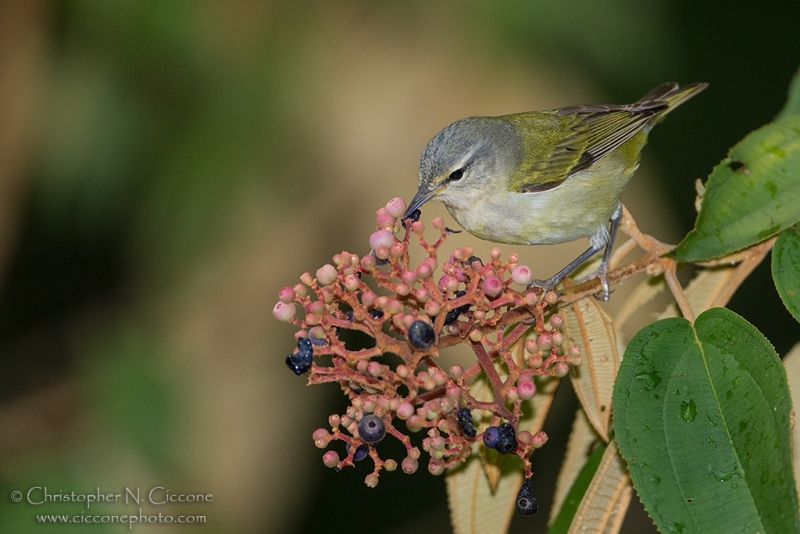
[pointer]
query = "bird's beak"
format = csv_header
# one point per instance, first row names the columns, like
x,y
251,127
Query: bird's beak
x,y
424,194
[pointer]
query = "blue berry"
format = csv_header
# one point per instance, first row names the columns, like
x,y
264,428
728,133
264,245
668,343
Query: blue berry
x,y
317,340
454,314
464,417
371,429
361,452
490,437
420,335
375,313
506,439
300,361
473,259
526,502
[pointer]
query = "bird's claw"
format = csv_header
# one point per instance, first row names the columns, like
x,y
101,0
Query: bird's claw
x,y
601,274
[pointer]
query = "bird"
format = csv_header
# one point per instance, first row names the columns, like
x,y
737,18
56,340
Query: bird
x,y
544,177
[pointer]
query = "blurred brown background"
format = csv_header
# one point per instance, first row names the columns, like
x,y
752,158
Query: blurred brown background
x,y
165,167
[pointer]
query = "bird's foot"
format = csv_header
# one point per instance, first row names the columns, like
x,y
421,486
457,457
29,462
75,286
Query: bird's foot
x,y
544,285
602,274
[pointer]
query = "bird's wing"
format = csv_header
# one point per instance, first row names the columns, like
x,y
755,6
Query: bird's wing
x,y
588,133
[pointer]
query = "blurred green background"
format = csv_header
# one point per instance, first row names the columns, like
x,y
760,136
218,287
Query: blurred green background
x,y
165,167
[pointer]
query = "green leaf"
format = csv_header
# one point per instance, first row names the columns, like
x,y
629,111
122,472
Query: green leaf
x,y
792,106
752,195
786,269
702,415
573,499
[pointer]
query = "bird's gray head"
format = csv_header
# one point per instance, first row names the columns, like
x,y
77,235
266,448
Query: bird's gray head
x,y
462,158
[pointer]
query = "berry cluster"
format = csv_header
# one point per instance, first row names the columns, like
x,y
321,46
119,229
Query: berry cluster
x,y
409,313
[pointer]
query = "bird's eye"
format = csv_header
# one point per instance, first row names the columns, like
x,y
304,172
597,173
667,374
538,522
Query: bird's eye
x,y
456,175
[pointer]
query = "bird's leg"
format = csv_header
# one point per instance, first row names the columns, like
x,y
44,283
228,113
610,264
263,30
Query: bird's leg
x,y
553,281
602,271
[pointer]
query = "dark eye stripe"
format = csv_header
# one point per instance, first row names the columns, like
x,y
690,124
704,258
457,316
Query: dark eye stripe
x,y
456,175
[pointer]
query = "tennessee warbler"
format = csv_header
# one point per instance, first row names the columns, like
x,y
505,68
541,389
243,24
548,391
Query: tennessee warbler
x,y
544,177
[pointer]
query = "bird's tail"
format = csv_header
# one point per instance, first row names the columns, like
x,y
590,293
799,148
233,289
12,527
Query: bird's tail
x,y
671,95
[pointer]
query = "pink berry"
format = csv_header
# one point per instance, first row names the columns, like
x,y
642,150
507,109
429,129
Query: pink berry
x,y
368,298
436,467
368,263
526,387
456,371
556,321
525,437
371,480
286,295
330,459
432,308
424,271
405,410
284,312
396,251
396,207
321,438
409,277
384,221
409,465
326,274
492,286
545,341
351,282
374,369
382,253
522,275
414,423
381,238
334,421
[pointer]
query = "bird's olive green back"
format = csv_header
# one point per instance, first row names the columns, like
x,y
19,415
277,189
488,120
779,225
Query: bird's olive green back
x,y
559,143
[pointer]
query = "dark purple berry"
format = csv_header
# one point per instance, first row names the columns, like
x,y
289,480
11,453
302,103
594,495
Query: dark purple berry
x,y
414,216
506,439
491,436
464,417
420,335
371,429
473,259
300,361
361,452
453,315
526,502
304,346
375,313
298,364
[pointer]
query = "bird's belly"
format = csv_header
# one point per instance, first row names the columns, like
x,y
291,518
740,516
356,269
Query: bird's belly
x,y
581,207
